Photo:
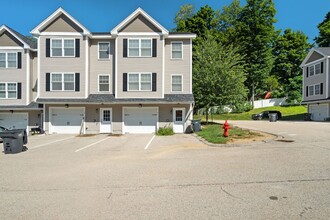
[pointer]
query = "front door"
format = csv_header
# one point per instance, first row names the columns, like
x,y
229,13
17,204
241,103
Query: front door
x,y
179,120
106,120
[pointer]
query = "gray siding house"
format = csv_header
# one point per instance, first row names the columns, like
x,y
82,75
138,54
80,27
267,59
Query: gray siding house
x,y
316,87
135,78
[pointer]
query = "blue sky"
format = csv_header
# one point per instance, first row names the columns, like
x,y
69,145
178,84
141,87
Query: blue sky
x,y
103,15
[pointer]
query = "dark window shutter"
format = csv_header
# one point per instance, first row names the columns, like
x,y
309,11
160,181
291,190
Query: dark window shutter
x,y
19,90
307,69
154,47
77,47
154,82
77,82
125,82
47,47
47,82
306,91
321,67
321,88
19,60
124,47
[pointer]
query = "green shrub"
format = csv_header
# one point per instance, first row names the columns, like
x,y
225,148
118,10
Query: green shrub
x,y
165,131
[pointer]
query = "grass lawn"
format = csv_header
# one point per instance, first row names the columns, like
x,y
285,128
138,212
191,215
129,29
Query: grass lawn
x,y
293,113
213,133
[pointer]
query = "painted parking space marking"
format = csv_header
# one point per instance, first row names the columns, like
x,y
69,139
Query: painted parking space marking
x,y
90,145
150,142
42,145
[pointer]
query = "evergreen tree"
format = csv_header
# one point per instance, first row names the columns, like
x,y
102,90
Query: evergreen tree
x,y
256,36
290,49
323,40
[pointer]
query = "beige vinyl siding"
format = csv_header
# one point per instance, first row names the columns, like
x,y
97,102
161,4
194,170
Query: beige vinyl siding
x,y
7,40
177,66
101,66
15,75
313,57
315,79
62,24
34,75
139,65
62,65
140,24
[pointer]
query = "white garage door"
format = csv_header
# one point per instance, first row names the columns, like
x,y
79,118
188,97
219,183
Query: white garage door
x,y
319,112
66,120
14,120
140,120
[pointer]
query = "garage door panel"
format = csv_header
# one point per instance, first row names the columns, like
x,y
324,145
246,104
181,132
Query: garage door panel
x,y
66,121
319,112
14,120
140,120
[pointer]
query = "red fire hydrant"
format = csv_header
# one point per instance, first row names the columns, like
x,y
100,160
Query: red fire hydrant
x,y
226,129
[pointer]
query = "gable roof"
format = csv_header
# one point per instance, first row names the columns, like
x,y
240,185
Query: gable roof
x,y
28,44
324,51
52,17
132,16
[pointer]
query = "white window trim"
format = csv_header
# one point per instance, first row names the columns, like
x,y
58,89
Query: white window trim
x,y
314,69
98,50
172,82
314,85
6,89
181,42
140,39
139,90
51,46
51,82
98,83
6,60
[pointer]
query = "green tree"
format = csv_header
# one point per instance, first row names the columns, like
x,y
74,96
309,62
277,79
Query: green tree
x,y
290,49
227,23
185,12
256,36
218,74
323,40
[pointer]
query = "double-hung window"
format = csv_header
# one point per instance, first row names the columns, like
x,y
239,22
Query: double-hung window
x,y
8,90
139,81
177,50
315,69
62,81
104,83
8,60
176,83
104,50
62,47
317,89
139,47
311,90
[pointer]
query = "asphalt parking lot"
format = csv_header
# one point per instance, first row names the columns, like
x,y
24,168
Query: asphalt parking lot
x,y
177,177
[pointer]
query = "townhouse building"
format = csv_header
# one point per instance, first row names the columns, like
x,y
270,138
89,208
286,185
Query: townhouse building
x,y
135,78
316,84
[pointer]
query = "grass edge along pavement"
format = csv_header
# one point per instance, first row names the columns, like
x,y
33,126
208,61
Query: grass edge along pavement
x,y
290,113
213,133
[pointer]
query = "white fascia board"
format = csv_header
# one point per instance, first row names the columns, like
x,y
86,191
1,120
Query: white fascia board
x,y
101,37
181,36
52,17
137,12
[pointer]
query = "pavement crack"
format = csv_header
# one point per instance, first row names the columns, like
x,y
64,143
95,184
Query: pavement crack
x,y
229,194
